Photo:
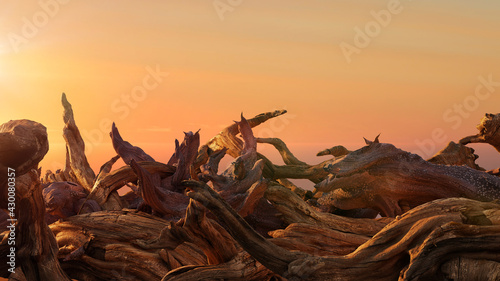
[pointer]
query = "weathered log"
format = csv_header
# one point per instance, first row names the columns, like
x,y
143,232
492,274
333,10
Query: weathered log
x,y
488,132
316,240
76,161
216,243
104,246
456,154
397,250
391,181
294,210
273,257
243,267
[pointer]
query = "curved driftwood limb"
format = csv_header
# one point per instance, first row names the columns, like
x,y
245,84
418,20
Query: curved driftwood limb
x,y
242,267
211,167
293,168
106,168
273,257
316,240
102,245
216,243
388,254
76,161
389,180
315,173
241,184
118,178
168,203
488,132
453,238
227,137
285,153
335,151
242,173
456,154
295,210
127,151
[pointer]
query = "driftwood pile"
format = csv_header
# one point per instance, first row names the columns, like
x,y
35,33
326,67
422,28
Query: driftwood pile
x,y
376,213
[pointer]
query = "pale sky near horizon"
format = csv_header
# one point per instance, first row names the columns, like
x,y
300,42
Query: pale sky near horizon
x,y
408,78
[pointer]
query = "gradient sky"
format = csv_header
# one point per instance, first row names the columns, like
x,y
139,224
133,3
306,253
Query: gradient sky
x,y
255,57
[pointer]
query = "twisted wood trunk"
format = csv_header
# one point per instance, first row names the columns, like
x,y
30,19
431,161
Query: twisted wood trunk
x,y
259,225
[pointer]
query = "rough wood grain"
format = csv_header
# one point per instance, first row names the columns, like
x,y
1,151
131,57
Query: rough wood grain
x,y
105,245
398,250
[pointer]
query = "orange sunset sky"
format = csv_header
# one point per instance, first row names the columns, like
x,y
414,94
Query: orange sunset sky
x,y
343,70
